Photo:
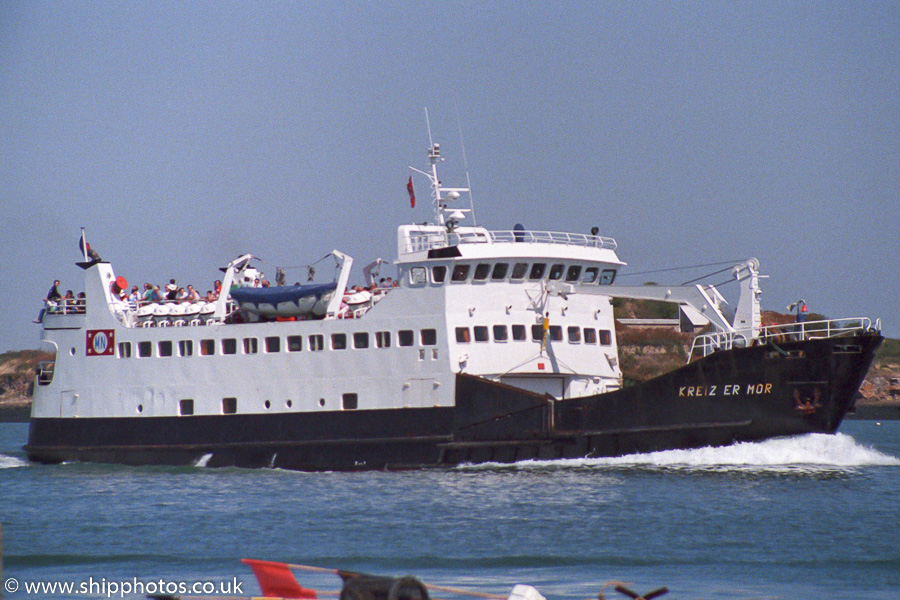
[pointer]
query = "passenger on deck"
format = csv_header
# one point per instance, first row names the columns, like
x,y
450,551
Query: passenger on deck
x,y
53,297
134,298
217,289
148,293
171,290
192,294
155,294
181,295
210,297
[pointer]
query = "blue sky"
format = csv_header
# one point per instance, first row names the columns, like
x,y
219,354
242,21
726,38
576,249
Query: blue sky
x,y
183,134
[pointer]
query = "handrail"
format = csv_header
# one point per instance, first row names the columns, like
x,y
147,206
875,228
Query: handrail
x,y
429,240
805,330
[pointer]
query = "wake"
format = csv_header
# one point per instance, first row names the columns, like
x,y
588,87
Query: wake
x,y
11,462
816,452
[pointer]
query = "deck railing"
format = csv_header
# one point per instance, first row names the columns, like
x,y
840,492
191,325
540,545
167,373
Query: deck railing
x,y
419,242
712,342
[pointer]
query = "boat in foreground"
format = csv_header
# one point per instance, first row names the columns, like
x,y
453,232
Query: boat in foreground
x,y
490,346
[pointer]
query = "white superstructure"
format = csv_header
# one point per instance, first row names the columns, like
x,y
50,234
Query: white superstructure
x,y
469,299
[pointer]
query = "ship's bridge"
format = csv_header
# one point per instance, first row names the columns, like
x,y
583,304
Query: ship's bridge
x,y
418,242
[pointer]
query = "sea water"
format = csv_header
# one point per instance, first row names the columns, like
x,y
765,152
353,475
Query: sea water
x,y
805,517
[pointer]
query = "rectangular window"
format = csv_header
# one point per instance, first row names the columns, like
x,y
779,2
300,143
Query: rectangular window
x,y
537,271
607,276
417,275
605,337
590,275
481,272
361,340
295,343
251,345
273,344
537,332
460,273
519,271
406,337
185,407
518,332
185,347
590,335
481,333
349,401
428,337
207,347
556,272
145,349
574,334
499,272
556,333
229,406
438,273
124,349
573,273
316,342
500,333
229,346
383,339
462,335
338,341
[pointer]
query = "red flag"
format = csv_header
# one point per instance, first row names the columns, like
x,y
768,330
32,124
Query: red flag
x,y
412,193
276,580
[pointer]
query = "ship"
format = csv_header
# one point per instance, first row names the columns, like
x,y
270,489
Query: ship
x,y
490,346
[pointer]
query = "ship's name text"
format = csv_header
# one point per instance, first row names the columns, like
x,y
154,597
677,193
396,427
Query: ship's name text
x,y
691,391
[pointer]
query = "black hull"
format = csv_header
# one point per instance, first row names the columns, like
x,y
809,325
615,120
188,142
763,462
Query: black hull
x,y
745,394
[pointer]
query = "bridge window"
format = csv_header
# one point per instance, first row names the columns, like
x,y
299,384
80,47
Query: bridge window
x,y
481,272
499,272
417,275
519,270
460,273
590,275
537,271
556,272
573,273
607,276
438,273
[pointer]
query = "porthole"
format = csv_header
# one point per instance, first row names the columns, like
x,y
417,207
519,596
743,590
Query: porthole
x,y
140,408
268,404
289,403
321,401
